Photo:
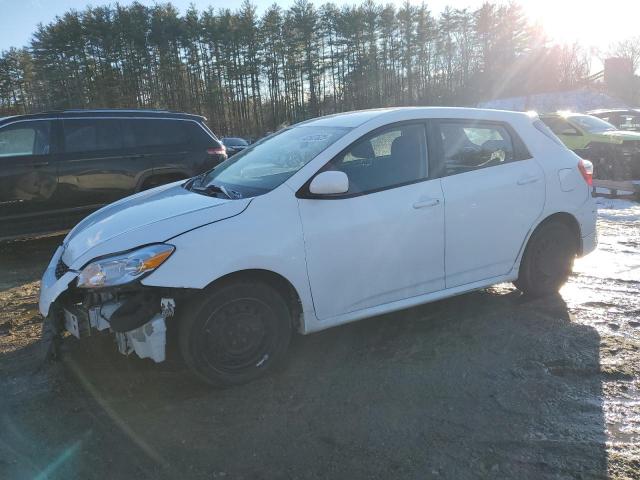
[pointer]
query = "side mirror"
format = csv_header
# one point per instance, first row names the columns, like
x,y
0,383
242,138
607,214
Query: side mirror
x,y
329,183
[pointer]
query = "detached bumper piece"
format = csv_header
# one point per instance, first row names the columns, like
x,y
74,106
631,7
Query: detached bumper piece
x,y
148,341
138,322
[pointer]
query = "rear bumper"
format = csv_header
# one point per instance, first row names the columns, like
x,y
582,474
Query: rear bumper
x,y
587,217
589,243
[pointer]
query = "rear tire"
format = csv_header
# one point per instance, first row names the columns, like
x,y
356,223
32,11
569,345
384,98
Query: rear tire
x,y
548,259
235,333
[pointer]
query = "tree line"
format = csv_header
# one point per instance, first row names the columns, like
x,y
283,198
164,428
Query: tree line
x,y
250,73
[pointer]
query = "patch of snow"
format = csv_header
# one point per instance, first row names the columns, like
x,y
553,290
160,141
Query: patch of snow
x,y
615,209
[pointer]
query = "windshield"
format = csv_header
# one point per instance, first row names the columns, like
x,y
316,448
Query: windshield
x,y
591,124
270,162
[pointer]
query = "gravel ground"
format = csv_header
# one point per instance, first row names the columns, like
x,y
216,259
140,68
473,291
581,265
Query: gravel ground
x,y
485,385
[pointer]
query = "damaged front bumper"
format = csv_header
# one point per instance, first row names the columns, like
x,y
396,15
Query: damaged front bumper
x,y
137,325
134,314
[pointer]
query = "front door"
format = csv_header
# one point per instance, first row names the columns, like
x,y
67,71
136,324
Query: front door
x,y
27,176
494,192
383,241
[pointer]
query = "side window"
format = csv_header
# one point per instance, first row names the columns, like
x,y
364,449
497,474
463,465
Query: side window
x,y
83,136
470,145
391,157
155,132
25,138
560,126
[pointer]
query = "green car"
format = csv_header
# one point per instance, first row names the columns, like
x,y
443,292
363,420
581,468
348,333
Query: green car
x,y
614,153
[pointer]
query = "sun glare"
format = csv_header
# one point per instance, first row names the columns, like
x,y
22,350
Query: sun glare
x,y
590,23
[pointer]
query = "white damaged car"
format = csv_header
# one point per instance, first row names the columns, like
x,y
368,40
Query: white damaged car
x,y
326,222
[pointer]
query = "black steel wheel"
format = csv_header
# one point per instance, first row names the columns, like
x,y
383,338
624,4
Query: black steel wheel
x,y
235,333
548,259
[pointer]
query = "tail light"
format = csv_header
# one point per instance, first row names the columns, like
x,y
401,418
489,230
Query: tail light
x,y
586,169
217,150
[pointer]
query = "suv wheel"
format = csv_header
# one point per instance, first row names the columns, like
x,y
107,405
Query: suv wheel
x,y
548,259
235,333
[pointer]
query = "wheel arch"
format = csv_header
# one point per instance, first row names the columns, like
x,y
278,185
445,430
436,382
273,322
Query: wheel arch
x,y
564,217
275,280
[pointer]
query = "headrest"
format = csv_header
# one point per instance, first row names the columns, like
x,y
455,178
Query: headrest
x,y
363,150
494,145
401,145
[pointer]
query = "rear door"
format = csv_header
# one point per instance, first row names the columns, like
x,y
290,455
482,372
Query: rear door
x,y
494,191
162,143
97,168
27,171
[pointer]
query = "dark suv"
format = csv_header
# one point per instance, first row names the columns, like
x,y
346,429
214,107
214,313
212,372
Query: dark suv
x,y
57,167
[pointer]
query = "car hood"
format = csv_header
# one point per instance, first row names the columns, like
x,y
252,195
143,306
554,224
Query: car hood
x,y
622,135
151,216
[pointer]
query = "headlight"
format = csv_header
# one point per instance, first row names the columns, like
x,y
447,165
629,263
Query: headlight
x,y
123,268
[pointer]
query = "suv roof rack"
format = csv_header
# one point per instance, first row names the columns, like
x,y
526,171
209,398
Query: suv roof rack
x,y
78,110
112,112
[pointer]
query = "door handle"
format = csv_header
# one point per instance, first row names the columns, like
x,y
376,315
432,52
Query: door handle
x,y
430,202
528,179
40,164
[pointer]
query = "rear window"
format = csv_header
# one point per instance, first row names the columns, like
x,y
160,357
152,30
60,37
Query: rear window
x,y
235,141
155,133
469,145
89,135
200,135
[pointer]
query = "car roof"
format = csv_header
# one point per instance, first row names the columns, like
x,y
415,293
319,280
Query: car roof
x,y
359,117
105,113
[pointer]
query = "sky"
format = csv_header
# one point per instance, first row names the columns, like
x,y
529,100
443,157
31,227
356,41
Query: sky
x,y
594,24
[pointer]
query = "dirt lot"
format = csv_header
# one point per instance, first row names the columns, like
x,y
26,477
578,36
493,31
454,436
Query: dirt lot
x,y
487,385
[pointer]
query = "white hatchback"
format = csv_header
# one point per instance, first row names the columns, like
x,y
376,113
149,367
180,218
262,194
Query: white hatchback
x,y
329,221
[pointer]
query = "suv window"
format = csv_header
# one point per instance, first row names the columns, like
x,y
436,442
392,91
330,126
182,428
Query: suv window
x,y
629,122
91,135
25,138
199,136
232,141
155,132
394,156
468,145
